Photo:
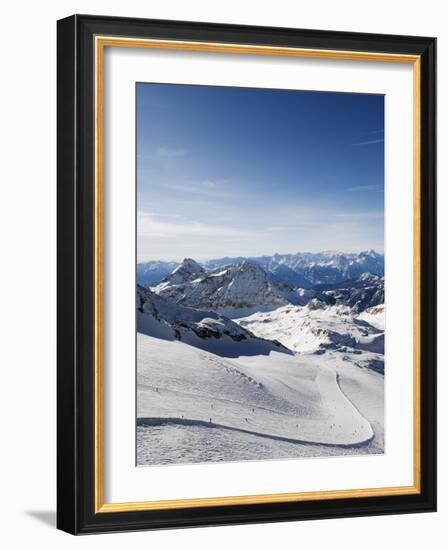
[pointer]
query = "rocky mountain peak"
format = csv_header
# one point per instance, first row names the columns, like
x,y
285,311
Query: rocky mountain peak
x,y
188,270
189,265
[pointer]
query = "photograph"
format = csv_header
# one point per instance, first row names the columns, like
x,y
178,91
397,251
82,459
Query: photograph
x,y
246,252
260,274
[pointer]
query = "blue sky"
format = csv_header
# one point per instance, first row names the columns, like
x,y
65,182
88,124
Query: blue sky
x,y
242,171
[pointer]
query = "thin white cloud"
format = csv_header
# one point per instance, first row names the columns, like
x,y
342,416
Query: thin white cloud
x,y
149,226
278,228
159,215
360,188
170,152
368,142
164,239
185,188
365,215
209,188
211,184
299,225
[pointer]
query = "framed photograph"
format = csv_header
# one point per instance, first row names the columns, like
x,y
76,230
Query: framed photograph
x,y
246,274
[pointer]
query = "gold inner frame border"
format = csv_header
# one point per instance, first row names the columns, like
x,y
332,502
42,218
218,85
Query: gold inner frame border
x,y
101,42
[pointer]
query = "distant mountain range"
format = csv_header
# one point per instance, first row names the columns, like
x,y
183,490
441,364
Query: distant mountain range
x,y
238,287
301,270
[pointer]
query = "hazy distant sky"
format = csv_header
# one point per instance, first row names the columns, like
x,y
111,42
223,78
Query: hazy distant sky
x,y
243,171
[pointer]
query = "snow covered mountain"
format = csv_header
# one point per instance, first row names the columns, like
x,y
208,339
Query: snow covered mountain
x,y
365,292
188,270
151,273
316,328
301,270
375,316
283,273
233,290
316,267
238,290
206,330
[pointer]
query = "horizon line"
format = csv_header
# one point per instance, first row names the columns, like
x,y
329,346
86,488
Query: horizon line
x,y
367,250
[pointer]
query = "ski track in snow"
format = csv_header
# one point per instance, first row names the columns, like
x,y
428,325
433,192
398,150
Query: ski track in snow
x,y
252,407
165,421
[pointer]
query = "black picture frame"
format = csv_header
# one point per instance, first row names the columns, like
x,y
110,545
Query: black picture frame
x,y
76,512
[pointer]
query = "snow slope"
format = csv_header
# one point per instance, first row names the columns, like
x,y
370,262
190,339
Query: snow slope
x,y
317,327
375,316
295,372
276,396
207,330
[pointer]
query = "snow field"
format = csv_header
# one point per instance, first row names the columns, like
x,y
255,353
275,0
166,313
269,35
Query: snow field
x,y
277,396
